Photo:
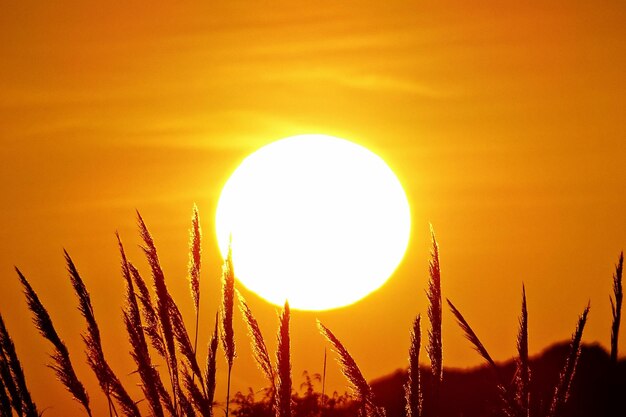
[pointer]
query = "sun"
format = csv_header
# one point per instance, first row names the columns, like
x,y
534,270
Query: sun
x,y
313,219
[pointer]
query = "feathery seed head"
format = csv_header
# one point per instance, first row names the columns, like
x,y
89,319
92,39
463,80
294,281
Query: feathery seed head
x,y
412,388
62,365
283,366
228,298
434,349
195,252
259,349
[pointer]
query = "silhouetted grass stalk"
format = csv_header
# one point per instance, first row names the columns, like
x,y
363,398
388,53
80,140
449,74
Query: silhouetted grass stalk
x,y
107,379
195,258
323,398
9,383
5,401
151,328
523,367
210,371
151,321
198,399
353,374
228,296
283,366
183,341
412,389
257,342
62,365
162,307
185,405
562,390
140,353
16,374
434,348
616,307
511,408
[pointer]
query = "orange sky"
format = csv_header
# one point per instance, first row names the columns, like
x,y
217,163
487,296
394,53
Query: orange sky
x,y
504,123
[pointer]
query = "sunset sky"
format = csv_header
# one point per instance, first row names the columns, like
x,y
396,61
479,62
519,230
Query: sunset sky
x,y
504,123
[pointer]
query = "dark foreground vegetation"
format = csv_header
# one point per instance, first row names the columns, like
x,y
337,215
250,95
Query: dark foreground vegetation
x,y
566,380
596,390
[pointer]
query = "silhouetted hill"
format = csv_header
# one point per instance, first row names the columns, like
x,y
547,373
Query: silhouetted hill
x,y
597,390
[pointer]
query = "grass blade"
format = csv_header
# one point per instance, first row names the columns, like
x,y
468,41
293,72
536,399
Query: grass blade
x,y
162,306
412,388
152,329
5,401
434,348
523,366
62,365
259,349
109,383
228,339
7,379
151,326
561,392
210,372
140,353
616,307
13,362
353,374
283,366
166,399
195,257
195,394
323,396
183,341
511,408
146,372
471,336
186,406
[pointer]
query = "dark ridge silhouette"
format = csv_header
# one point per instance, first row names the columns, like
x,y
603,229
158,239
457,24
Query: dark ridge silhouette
x,y
596,390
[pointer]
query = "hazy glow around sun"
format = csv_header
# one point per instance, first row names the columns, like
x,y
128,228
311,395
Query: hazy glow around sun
x,y
314,219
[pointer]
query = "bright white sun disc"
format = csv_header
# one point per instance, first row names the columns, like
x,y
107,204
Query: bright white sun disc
x,y
314,219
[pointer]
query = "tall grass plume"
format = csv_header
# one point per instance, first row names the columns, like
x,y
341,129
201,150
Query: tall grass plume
x,y
195,258
616,306
163,309
8,382
150,379
151,327
184,343
211,369
259,348
228,298
109,383
62,365
510,406
434,348
522,374
15,374
196,396
412,388
283,366
562,390
5,401
353,374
